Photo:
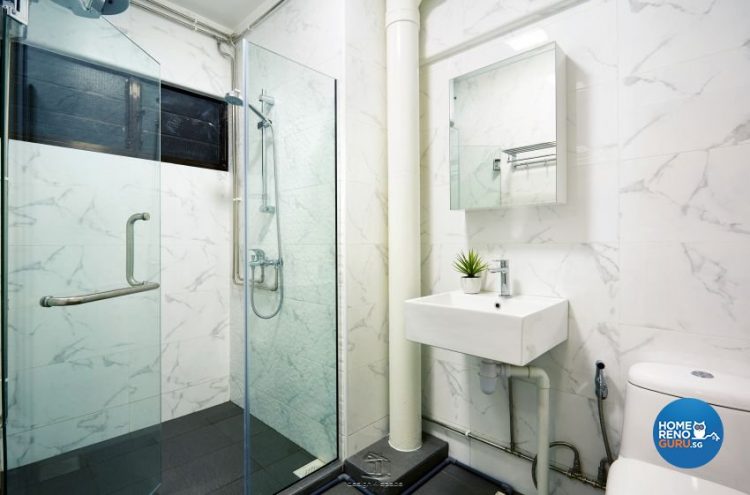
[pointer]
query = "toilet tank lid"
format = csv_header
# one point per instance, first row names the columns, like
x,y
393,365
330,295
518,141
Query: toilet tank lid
x,y
716,388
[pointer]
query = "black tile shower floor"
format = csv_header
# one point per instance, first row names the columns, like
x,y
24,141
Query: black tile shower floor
x,y
200,454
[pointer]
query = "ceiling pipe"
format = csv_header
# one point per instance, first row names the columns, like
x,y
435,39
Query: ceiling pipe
x,y
404,260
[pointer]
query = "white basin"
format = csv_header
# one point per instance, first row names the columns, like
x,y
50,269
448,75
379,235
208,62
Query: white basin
x,y
520,330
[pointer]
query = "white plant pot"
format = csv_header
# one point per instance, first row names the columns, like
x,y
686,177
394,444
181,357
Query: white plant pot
x,y
471,285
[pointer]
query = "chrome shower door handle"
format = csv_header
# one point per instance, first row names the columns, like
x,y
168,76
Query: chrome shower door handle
x,y
135,285
130,247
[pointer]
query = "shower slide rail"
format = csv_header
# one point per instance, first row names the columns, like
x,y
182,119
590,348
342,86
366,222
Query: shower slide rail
x,y
135,285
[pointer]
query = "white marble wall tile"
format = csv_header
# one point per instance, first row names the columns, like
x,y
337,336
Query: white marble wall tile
x,y
438,223
366,150
367,436
592,124
590,215
654,34
51,440
638,344
196,271
699,122
189,362
367,215
30,390
438,274
366,274
447,384
446,24
698,288
367,390
192,61
289,32
195,204
194,398
693,196
367,326
315,436
194,314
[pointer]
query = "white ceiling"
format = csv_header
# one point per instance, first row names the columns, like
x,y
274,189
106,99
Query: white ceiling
x,y
228,13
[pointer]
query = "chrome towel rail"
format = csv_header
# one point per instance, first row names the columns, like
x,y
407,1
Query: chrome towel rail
x,y
533,159
136,286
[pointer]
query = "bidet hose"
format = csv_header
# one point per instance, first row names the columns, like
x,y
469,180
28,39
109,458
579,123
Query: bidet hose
x,y
280,264
603,426
601,394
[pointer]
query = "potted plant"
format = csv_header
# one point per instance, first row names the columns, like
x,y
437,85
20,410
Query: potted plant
x,y
471,266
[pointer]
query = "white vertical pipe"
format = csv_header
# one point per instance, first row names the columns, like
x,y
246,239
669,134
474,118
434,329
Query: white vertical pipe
x,y
404,259
542,452
543,390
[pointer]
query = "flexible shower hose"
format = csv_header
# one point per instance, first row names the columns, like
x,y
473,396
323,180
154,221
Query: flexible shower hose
x,y
280,265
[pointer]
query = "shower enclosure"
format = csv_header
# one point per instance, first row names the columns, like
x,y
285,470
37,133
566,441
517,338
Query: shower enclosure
x,y
81,264
81,296
290,258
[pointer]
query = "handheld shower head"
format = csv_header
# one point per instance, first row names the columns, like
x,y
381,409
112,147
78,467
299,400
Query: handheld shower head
x,y
600,382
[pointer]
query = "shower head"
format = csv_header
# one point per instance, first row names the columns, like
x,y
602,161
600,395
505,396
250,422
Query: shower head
x,y
234,97
110,7
95,8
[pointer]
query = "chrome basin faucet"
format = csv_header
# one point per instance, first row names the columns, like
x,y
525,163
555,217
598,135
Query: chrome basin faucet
x,y
501,269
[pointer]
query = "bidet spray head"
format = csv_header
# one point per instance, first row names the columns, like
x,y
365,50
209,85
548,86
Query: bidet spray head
x,y
600,382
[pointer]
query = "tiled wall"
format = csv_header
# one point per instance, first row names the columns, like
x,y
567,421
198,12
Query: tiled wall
x,y
196,230
650,249
364,217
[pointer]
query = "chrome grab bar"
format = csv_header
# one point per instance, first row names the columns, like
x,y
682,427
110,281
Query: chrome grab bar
x,y
130,247
135,285
51,301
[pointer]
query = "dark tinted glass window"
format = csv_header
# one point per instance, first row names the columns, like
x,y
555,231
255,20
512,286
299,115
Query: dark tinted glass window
x,y
63,101
194,129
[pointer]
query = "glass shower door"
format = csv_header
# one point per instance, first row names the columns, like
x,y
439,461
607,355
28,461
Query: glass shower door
x,y
82,345
290,281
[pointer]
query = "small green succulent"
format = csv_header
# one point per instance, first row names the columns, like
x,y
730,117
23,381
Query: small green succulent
x,y
470,265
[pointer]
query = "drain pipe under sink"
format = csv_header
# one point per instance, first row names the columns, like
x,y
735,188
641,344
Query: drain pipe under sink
x,y
489,372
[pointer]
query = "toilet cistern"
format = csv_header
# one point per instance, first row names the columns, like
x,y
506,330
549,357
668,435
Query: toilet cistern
x,y
501,269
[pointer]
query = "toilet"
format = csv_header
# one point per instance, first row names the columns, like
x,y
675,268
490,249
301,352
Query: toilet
x,y
640,469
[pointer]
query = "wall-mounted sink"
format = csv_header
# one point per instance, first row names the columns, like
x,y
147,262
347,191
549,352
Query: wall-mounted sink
x,y
521,329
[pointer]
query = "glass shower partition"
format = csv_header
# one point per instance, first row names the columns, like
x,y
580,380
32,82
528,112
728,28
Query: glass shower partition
x,y
81,298
290,276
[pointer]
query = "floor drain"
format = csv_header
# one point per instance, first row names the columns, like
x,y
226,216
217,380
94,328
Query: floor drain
x,y
308,468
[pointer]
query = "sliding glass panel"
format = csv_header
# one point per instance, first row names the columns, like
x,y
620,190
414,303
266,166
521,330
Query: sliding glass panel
x,y
82,284
290,208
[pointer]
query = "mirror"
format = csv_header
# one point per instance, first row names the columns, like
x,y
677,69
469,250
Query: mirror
x,y
507,132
